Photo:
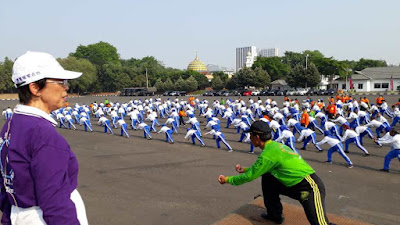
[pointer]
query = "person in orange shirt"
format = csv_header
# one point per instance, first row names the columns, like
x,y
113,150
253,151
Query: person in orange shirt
x,y
396,104
181,114
379,100
331,110
305,118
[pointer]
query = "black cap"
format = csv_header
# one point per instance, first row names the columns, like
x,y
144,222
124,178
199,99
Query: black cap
x,y
259,127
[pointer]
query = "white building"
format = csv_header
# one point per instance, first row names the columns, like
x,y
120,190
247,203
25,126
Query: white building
x,y
269,52
241,56
376,79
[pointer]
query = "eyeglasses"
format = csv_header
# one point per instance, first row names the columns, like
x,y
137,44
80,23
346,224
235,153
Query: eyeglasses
x,y
63,83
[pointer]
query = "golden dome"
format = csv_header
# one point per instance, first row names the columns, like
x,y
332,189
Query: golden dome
x,y
197,65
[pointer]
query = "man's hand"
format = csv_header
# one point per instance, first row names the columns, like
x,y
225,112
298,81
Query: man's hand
x,y
239,168
221,179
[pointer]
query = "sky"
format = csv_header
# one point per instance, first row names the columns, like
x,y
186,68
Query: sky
x,y
174,30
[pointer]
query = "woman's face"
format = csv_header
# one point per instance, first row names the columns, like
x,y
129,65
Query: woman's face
x,y
54,94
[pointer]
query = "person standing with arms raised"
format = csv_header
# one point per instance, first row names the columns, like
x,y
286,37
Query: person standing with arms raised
x,y
39,170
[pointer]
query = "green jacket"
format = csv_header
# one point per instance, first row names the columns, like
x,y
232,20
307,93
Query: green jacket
x,y
279,160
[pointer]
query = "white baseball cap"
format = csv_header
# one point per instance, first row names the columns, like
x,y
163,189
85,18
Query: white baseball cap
x,y
34,66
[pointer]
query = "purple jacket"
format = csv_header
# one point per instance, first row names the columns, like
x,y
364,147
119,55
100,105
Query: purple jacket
x,y
45,170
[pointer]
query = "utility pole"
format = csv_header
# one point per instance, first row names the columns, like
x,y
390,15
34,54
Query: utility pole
x,y
147,80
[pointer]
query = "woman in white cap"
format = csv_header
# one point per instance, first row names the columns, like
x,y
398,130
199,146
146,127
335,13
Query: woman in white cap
x,y
39,170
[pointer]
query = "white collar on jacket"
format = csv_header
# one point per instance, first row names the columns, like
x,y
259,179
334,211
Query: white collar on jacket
x,y
33,111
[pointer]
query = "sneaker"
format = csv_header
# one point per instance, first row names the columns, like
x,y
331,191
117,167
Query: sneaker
x,y
230,150
347,151
251,152
328,162
320,151
384,170
277,220
303,148
350,166
366,154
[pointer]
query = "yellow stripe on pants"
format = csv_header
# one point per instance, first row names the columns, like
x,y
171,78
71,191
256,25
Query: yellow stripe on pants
x,y
317,201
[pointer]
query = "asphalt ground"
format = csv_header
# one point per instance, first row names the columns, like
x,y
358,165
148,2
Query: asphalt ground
x,y
139,181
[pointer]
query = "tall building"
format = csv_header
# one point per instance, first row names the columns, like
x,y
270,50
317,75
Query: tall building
x,y
241,56
269,52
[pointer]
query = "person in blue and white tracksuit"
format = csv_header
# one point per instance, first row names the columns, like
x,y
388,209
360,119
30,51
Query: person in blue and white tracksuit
x,y
103,121
194,134
68,119
86,123
394,140
396,117
124,127
7,113
350,136
276,131
290,139
114,117
168,133
333,128
220,137
336,146
60,118
152,116
341,121
134,116
308,135
195,124
146,130
295,124
378,125
362,131
353,115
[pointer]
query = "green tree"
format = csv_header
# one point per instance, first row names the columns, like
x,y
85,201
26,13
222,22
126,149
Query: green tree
x,y
273,65
191,84
98,54
88,70
293,59
6,84
301,77
216,83
245,77
232,83
160,85
168,85
367,63
262,78
202,81
180,84
223,76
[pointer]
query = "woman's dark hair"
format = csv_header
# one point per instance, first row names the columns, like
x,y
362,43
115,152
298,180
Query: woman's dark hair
x,y
25,95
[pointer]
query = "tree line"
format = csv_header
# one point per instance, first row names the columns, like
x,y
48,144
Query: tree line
x,y
104,71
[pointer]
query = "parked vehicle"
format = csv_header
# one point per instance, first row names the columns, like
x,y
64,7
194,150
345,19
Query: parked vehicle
x,y
331,92
291,92
255,93
322,92
247,93
312,91
174,93
182,93
301,91
235,93
280,93
167,93
209,93
272,92
264,92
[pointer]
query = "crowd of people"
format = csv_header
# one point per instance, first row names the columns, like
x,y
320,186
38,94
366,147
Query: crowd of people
x,y
342,120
